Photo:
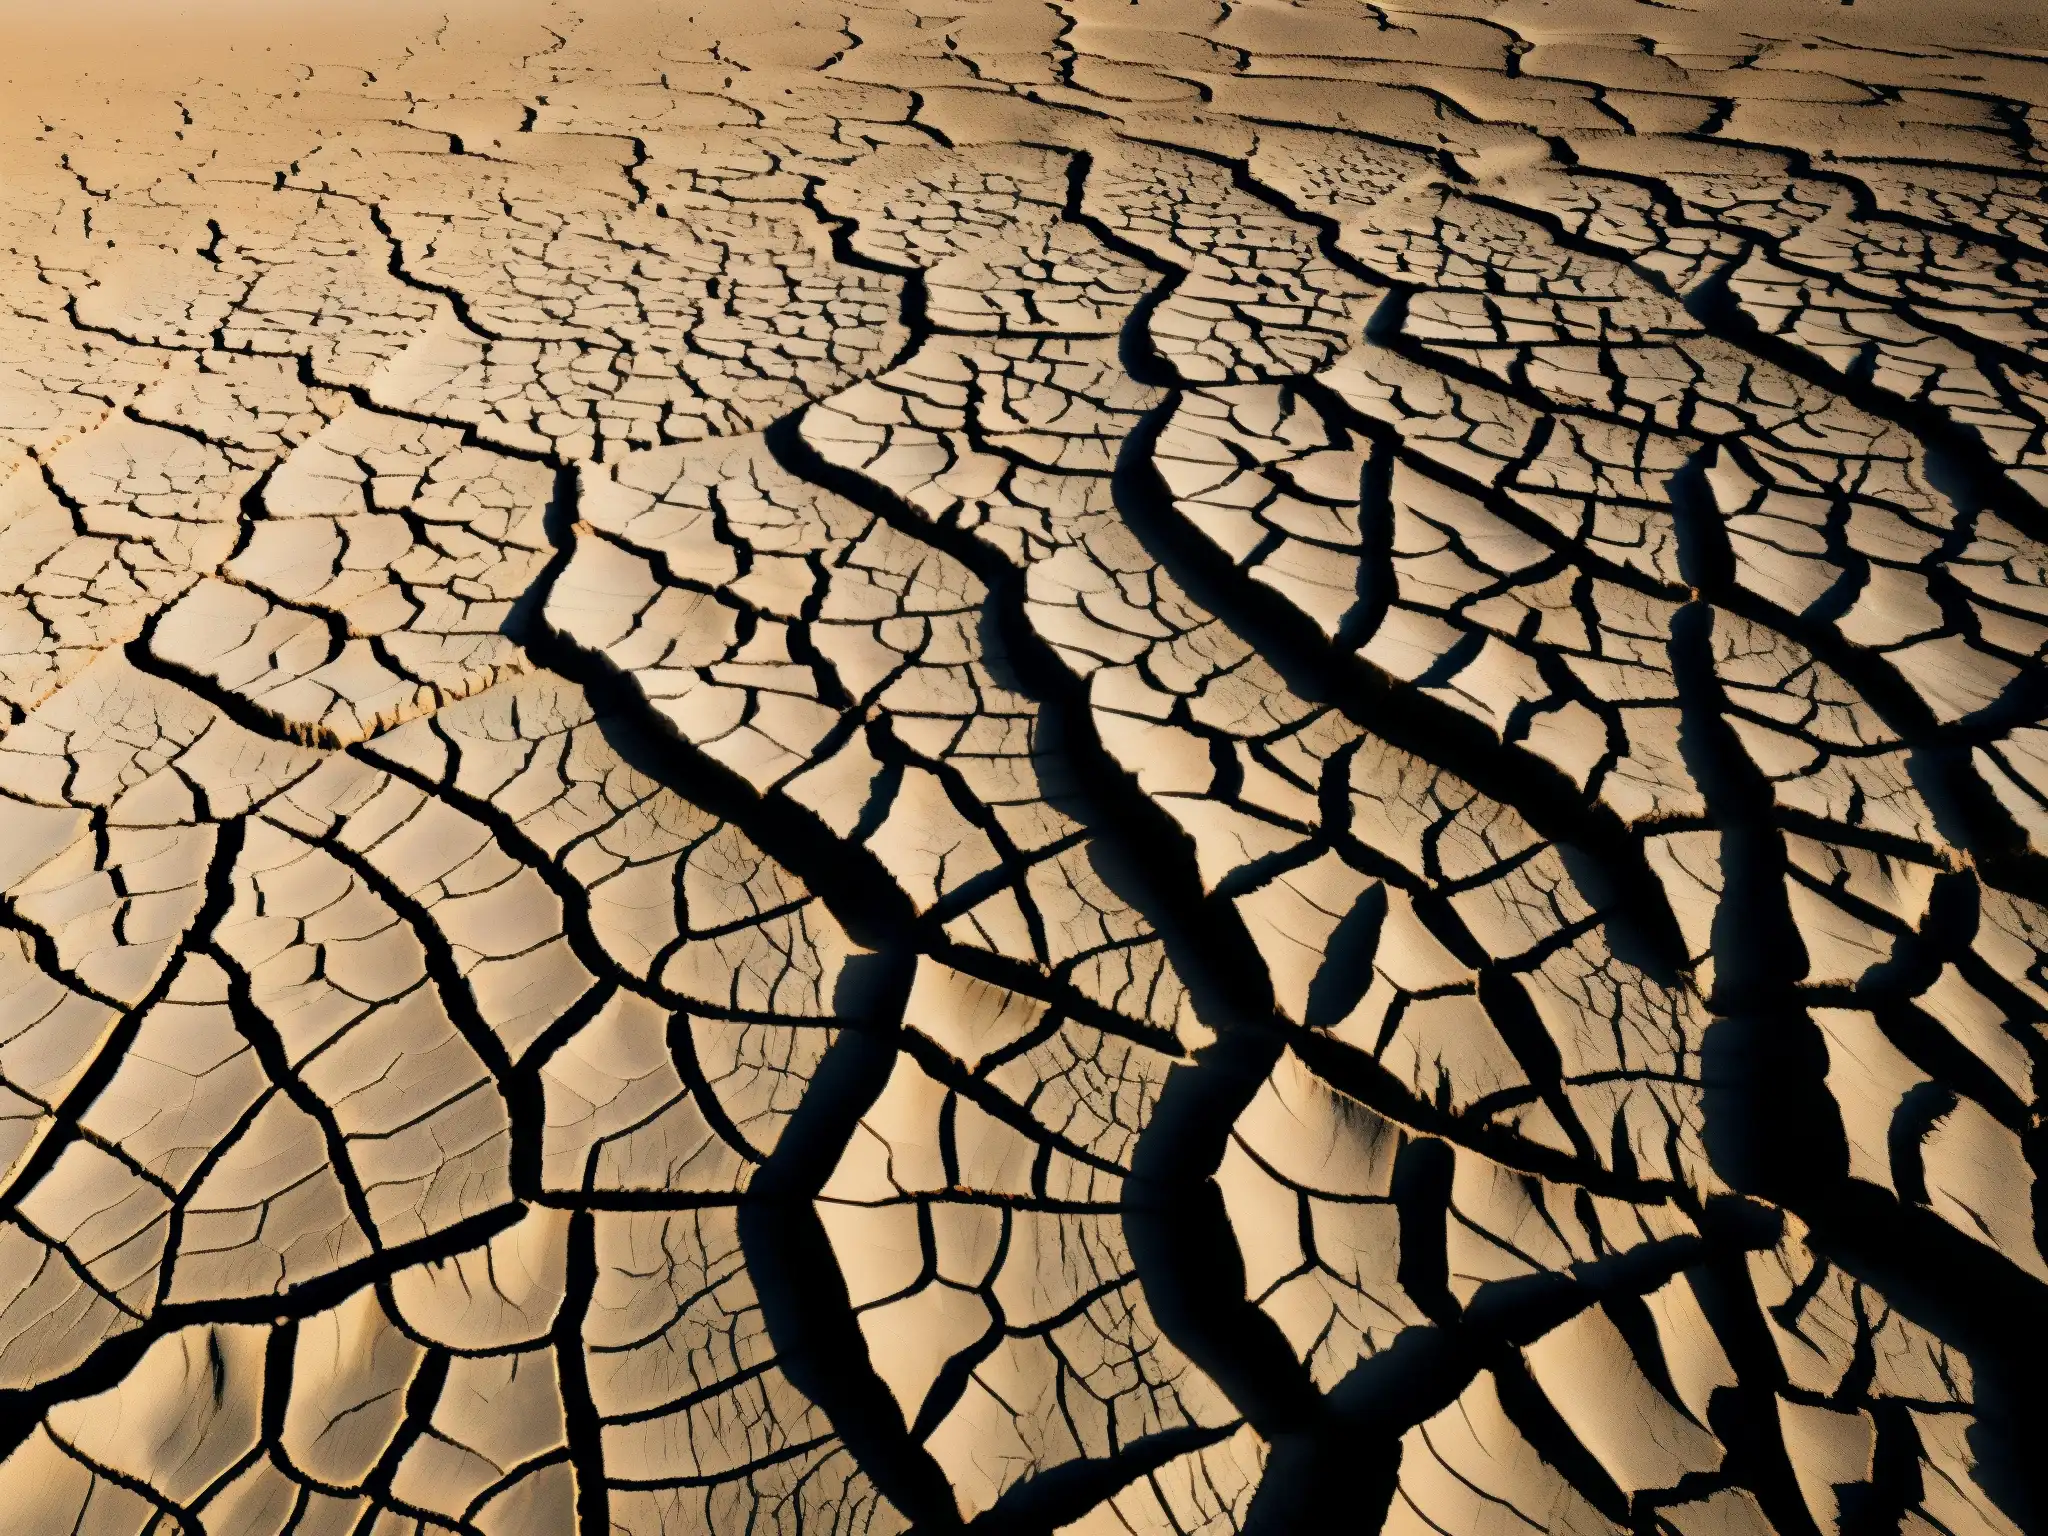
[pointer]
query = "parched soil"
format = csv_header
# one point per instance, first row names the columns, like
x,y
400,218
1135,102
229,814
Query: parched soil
x,y
1139,769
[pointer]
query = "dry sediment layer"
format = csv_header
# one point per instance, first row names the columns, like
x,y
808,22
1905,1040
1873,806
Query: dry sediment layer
x,y
1107,767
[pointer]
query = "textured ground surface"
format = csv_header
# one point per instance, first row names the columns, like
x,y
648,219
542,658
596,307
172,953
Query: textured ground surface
x,y
1119,767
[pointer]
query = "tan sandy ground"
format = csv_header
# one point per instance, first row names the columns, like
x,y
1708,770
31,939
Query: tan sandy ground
x,y
1114,767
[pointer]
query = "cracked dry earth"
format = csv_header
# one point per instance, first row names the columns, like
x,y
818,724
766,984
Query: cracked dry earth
x,y
1102,767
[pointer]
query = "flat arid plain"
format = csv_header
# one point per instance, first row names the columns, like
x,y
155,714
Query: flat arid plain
x,y
790,769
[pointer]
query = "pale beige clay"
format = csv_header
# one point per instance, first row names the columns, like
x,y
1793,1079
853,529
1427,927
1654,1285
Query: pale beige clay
x,y
1093,767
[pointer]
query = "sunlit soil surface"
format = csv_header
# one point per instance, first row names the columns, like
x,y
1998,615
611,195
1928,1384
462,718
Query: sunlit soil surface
x,y
1128,768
